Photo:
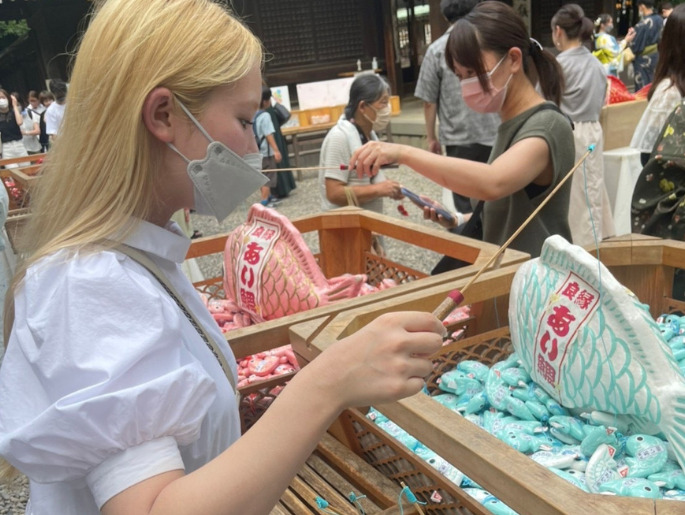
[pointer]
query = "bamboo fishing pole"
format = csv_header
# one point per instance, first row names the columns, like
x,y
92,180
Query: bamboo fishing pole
x,y
312,168
456,297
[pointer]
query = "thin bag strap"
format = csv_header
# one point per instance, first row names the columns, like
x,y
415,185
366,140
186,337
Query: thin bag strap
x,y
152,267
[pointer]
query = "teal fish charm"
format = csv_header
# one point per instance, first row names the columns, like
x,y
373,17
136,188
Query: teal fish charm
x,y
647,455
601,468
592,345
631,487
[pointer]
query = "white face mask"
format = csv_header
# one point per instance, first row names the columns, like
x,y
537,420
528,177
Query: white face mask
x,y
4,103
223,179
382,118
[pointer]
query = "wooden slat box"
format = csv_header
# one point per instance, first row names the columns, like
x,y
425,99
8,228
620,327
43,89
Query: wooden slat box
x,y
643,264
332,472
344,237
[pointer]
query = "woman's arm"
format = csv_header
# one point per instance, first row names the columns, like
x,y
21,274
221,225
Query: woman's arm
x,y
34,132
384,361
17,114
335,191
527,161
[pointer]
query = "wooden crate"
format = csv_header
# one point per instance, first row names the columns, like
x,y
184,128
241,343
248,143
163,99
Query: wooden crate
x,y
618,122
332,472
344,237
643,264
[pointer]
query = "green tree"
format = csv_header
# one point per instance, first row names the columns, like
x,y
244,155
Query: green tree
x,y
12,30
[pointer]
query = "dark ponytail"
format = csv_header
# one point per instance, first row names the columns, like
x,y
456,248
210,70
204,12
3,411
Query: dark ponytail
x,y
496,27
549,73
573,22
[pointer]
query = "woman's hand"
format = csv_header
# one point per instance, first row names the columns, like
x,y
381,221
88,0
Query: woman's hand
x,y
369,158
382,362
430,213
390,189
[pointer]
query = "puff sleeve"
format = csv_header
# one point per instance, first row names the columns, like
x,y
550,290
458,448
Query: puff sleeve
x,y
98,351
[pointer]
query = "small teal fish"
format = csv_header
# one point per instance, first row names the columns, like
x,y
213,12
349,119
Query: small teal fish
x,y
571,478
670,479
568,426
474,368
631,487
521,441
675,495
594,437
557,458
440,464
492,503
476,403
496,389
515,376
518,408
538,410
591,344
601,468
459,383
648,455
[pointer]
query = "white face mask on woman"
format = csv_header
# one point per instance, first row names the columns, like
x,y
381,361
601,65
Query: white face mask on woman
x,y
382,118
4,103
483,101
223,179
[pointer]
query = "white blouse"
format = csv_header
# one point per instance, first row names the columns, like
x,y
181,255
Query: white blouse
x,y
664,100
105,382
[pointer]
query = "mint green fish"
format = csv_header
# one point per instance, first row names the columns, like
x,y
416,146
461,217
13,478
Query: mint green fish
x,y
648,455
592,345
631,487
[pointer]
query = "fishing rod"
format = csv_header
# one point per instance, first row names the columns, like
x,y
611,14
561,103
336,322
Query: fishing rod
x,y
456,296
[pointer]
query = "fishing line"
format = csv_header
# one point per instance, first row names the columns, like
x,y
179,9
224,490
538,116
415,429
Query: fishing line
x,y
599,262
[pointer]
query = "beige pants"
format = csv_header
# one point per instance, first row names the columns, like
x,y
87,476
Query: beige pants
x,y
589,200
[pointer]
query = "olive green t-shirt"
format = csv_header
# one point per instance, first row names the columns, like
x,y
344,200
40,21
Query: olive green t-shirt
x,y
501,218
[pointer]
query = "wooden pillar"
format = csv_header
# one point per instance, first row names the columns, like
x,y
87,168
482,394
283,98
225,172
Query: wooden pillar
x,y
438,22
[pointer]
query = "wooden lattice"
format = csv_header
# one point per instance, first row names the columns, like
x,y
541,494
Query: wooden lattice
x,y
396,462
399,464
378,268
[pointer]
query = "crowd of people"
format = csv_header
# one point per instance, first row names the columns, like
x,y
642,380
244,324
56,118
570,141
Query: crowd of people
x,y
117,386
29,123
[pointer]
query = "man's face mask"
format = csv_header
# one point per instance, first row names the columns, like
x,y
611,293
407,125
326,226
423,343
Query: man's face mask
x,y
483,101
222,180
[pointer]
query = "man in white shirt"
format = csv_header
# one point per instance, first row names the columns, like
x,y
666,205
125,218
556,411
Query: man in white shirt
x,y
55,112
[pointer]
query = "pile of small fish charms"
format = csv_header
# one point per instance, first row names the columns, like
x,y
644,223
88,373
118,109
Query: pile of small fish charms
x,y
592,450
622,439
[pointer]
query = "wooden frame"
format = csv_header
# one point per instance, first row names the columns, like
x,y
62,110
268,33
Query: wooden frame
x,y
643,264
345,243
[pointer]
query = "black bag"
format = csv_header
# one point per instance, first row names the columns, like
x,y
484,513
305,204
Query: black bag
x,y
282,114
658,204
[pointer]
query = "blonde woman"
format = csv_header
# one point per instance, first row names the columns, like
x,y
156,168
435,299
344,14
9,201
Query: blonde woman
x,y
112,401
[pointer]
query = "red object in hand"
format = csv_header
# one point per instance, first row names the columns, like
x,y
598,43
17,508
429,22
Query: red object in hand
x,y
402,210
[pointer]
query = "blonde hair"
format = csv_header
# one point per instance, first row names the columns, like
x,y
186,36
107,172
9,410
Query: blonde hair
x,y
102,170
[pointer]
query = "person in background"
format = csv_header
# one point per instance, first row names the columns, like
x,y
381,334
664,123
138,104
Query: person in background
x,y
30,128
46,98
666,10
589,210
271,155
668,87
113,402
645,43
464,132
366,113
499,67
10,127
285,181
55,111
607,49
